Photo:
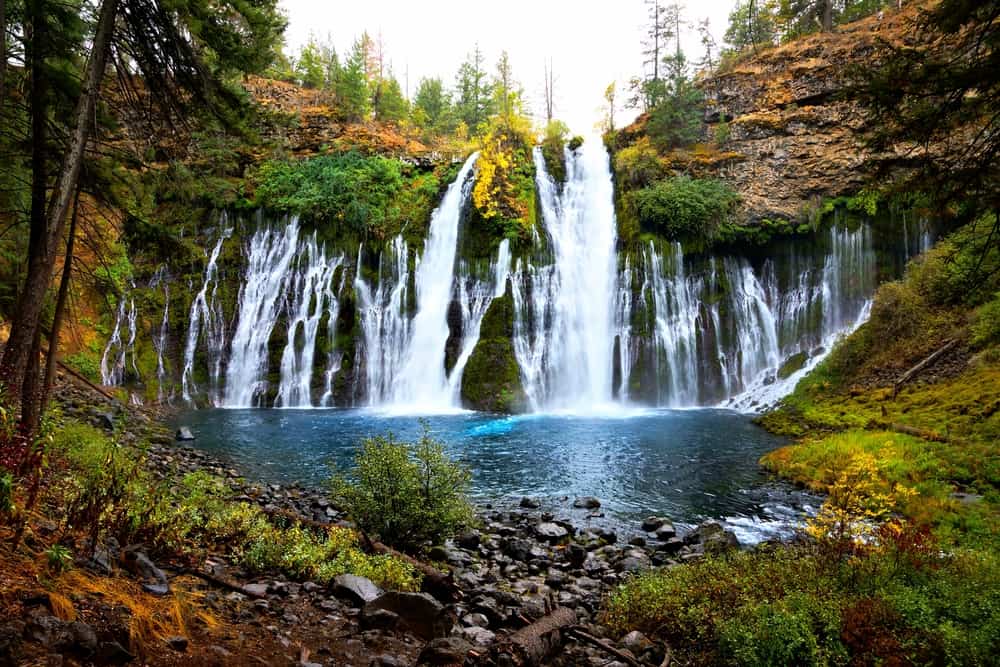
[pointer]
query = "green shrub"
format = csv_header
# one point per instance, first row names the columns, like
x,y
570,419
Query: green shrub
x,y
798,630
575,142
406,493
986,327
58,559
553,146
638,165
352,191
6,493
684,207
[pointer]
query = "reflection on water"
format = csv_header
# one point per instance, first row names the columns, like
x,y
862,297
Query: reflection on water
x,y
686,464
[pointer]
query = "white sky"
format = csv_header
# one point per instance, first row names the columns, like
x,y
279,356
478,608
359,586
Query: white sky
x,y
591,43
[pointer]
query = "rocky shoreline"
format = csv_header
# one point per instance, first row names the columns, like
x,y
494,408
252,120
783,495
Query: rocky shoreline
x,y
517,566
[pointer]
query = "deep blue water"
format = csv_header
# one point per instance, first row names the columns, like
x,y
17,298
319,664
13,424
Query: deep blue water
x,y
685,464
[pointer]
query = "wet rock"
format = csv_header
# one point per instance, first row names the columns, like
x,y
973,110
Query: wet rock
x,y
530,503
380,619
50,632
178,643
444,651
576,554
637,541
84,638
587,502
652,523
479,636
666,531
153,579
671,546
255,590
112,653
469,540
418,612
356,589
184,434
633,564
551,532
607,535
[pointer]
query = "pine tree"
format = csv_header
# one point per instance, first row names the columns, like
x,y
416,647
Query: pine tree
x,y
352,84
473,92
432,106
391,106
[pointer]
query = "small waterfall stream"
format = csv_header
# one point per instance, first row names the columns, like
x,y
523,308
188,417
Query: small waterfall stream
x,y
206,321
120,349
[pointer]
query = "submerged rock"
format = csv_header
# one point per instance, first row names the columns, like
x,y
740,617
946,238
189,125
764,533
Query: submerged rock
x,y
184,434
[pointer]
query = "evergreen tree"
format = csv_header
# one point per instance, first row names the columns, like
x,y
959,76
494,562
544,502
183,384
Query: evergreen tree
x,y
390,105
507,94
432,106
473,92
752,23
309,66
352,84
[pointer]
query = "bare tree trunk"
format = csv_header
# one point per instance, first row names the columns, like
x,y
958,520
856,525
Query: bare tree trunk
x,y
57,318
827,15
3,51
42,256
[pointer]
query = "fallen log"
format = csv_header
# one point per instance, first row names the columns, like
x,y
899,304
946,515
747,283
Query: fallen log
x,y
222,582
579,633
910,374
533,644
905,429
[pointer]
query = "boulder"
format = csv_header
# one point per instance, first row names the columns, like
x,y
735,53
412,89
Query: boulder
x,y
551,532
530,503
444,651
184,434
666,531
587,502
358,590
418,612
153,579
653,523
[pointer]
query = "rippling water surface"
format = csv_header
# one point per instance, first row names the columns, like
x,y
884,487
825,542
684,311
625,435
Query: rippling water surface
x,y
685,464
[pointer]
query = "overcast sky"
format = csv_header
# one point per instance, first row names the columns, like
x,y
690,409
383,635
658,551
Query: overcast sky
x,y
590,43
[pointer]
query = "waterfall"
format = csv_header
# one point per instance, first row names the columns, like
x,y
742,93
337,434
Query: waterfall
x,y
569,366
311,296
474,298
160,336
206,321
269,255
421,379
385,325
114,361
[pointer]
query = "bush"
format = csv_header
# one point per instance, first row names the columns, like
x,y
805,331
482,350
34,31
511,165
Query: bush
x,y
684,207
351,190
638,165
553,146
986,327
6,494
406,493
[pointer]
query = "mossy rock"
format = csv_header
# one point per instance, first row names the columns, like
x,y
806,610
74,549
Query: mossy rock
x,y
492,379
792,365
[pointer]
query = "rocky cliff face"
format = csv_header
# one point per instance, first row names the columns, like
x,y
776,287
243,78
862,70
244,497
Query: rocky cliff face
x,y
780,128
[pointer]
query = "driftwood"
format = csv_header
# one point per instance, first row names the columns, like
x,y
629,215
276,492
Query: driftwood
x,y
906,429
909,375
579,633
221,582
532,645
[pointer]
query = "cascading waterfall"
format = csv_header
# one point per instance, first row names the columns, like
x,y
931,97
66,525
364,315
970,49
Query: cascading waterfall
x,y
160,336
117,352
569,366
268,259
311,297
654,327
421,381
385,326
206,321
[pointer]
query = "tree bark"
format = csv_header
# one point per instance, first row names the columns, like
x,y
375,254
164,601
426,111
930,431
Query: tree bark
x,y
48,222
827,15
3,52
533,644
57,318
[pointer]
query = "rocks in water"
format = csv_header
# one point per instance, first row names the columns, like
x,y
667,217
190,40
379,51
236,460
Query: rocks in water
x,y
358,590
792,365
671,546
653,523
666,531
551,532
184,434
713,537
587,502
420,613
530,503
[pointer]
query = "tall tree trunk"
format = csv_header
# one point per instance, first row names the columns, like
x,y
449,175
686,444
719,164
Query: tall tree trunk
x,y
42,257
3,51
827,15
57,318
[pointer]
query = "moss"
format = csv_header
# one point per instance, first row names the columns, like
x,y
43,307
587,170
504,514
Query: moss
x,y
792,365
491,381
